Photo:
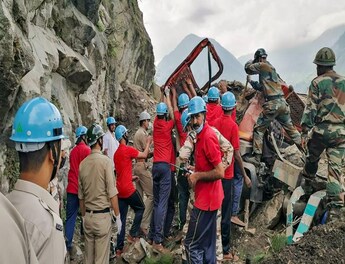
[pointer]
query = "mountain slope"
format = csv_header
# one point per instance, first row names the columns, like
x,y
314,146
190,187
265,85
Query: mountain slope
x,y
233,70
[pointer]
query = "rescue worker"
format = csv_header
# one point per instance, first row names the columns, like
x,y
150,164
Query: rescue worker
x,y
229,129
96,187
185,155
161,174
214,110
141,169
128,195
15,243
110,144
275,106
323,121
200,242
78,154
37,133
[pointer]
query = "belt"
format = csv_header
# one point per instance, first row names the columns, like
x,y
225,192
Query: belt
x,y
106,210
273,97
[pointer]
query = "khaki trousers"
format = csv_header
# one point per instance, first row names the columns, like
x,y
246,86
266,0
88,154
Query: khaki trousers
x,y
97,229
145,186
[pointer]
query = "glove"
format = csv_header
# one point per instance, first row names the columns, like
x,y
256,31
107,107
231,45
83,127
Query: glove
x,y
117,220
167,91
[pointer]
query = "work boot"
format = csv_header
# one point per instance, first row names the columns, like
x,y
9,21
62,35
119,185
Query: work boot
x,y
255,160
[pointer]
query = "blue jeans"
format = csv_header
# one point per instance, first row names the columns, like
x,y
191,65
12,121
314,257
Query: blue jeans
x,y
72,208
171,206
136,203
226,215
161,176
238,185
200,242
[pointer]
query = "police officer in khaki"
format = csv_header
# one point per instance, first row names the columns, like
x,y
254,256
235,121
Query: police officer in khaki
x,y
37,133
97,193
15,245
141,169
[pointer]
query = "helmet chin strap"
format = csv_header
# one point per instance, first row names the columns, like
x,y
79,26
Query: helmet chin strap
x,y
56,157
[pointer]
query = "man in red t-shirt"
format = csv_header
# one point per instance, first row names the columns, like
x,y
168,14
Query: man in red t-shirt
x,y
214,110
78,153
128,195
161,173
229,129
200,242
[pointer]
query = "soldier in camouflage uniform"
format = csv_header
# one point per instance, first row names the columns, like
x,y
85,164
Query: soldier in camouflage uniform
x,y
324,117
275,106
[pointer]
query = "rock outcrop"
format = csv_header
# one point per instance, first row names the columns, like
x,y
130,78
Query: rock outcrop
x,y
81,55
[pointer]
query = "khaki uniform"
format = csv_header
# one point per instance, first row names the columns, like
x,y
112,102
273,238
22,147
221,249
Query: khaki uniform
x,y
96,185
42,221
145,184
15,245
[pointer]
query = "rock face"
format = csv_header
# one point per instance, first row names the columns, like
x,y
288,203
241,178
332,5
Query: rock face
x,y
81,55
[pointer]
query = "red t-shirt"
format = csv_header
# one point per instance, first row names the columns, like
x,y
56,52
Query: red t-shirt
x,y
123,164
208,195
78,153
229,129
214,111
182,135
162,140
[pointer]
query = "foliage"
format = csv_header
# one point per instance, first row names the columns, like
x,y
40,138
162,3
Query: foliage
x,y
278,242
162,259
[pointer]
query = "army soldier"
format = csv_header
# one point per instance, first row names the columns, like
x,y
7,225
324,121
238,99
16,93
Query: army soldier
x,y
324,117
37,133
275,106
96,186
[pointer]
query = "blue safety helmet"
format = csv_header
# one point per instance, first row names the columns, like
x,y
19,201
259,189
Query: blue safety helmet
x,y
182,100
205,97
36,121
213,94
196,105
161,109
110,120
228,101
120,131
185,119
81,130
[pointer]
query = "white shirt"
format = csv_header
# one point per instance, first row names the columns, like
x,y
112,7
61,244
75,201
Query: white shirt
x,y
110,144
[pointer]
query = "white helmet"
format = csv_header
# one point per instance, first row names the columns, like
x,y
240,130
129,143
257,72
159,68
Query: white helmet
x,y
144,116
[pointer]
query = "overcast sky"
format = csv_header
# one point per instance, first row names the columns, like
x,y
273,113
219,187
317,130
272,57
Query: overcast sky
x,y
241,26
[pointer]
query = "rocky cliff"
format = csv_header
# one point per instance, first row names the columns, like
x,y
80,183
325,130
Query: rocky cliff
x,y
83,55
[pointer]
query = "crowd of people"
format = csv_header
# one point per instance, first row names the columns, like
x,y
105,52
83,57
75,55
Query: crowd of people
x,y
202,166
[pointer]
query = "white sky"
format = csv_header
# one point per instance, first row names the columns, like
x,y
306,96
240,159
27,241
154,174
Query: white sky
x,y
241,26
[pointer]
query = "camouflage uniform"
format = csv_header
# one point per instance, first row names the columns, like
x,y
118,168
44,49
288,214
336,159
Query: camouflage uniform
x,y
275,106
324,114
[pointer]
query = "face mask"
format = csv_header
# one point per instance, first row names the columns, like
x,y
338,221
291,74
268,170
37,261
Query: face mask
x,y
198,130
62,163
